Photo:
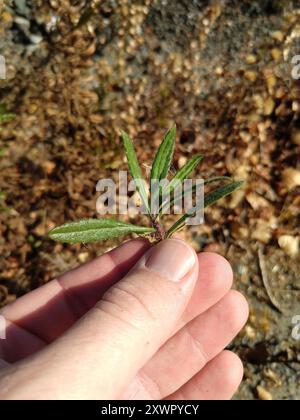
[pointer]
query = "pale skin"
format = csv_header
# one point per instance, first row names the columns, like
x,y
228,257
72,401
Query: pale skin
x,y
139,322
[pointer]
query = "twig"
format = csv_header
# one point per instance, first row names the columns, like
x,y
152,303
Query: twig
x,y
265,279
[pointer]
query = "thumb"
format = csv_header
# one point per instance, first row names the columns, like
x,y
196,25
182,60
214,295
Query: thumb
x,y
103,352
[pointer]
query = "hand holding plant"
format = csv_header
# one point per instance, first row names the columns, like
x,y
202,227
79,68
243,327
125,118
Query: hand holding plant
x,y
129,325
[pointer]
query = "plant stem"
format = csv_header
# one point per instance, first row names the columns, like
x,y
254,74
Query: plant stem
x,y
159,229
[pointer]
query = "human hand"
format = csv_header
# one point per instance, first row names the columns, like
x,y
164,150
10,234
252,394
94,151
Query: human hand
x,y
139,322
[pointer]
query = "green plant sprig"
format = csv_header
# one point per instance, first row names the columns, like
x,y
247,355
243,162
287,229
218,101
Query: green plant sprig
x,y
94,230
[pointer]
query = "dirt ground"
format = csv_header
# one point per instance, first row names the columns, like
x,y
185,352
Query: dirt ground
x,y
223,71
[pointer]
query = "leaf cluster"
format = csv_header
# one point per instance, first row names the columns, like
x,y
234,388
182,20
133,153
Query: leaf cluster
x,y
94,230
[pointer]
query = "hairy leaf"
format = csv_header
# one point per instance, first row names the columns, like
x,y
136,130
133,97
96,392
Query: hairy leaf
x,y
185,171
93,230
221,192
209,199
163,158
177,198
135,169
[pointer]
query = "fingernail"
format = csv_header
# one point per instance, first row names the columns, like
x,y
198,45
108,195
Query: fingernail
x,y
171,259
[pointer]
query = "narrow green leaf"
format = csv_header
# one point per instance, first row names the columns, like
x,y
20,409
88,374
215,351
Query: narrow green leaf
x,y
176,198
93,230
135,169
160,168
163,158
221,192
185,171
210,199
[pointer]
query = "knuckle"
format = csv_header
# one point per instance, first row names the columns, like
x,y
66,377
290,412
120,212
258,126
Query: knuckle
x,y
127,302
195,343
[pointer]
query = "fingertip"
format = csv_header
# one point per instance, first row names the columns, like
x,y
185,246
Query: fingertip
x,y
238,310
218,380
216,267
173,259
185,243
232,371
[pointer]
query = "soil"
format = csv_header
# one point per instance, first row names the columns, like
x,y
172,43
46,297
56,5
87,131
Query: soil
x,y
222,70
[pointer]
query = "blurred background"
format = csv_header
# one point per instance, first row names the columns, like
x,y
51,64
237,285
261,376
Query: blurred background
x,y
77,72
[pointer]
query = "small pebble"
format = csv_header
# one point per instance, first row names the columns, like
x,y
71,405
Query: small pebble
x,y
182,161
291,178
269,106
251,76
278,36
219,71
250,332
83,257
295,137
276,54
290,244
263,394
251,59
